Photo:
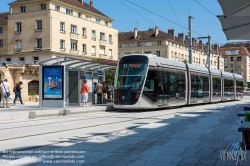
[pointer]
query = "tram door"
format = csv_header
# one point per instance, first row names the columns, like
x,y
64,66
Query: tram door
x,y
162,96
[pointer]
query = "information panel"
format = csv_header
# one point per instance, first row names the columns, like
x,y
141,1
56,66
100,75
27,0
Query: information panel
x,y
53,82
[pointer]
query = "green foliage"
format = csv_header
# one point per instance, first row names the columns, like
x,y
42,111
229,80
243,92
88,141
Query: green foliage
x,y
32,93
109,77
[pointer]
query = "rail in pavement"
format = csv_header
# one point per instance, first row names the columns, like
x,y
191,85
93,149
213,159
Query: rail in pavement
x,y
32,110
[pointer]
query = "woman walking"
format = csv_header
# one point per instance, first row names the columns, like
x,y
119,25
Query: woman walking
x,y
85,89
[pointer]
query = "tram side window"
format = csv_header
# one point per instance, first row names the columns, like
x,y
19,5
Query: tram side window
x,y
181,81
173,81
150,82
216,84
239,86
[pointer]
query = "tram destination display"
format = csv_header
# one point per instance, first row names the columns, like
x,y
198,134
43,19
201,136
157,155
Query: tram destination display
x,y
53,82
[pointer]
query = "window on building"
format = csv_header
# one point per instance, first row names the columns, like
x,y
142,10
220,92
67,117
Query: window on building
x,y
62,26
232,58
33,87
18,46
102,51
129,44
93,50
102,36
147,52
73,29
73,45
238,58
97,20
93,36
39,25
110,39
8,59
84,48
110,53
127,53
21,59
225,60
84,32
22,9
89,18
119,45
35,59
62,44
38,43
18,27
1,30
172,54
43,6
158,53
175,54
69,12
57,8
79,15
1,42
139,44
158,43
203,61
148,44
106,23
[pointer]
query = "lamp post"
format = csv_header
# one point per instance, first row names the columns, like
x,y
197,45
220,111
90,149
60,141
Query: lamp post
x,y
208,51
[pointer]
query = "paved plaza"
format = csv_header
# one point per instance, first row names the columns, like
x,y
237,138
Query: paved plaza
x,y
181,136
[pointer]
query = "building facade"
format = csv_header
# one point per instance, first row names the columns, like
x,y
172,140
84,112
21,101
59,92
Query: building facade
x,y
236,60
35,30
167,45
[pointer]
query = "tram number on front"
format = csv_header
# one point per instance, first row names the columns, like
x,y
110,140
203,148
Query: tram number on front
x,y
134,65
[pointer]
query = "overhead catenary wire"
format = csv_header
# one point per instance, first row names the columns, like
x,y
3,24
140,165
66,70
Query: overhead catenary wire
x,y
175,15
137,13
205,8
165,18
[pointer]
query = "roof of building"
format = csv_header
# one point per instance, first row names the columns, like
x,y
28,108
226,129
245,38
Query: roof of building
x,y
4,18
242,50
76,3
149,35
142,35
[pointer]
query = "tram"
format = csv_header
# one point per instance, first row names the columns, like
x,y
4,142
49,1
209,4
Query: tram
x,y
145,81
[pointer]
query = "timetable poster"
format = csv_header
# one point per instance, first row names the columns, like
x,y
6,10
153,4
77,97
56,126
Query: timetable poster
x,y
53,82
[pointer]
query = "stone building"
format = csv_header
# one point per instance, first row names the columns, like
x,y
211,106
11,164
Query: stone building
x,y
35,30
236,58
166,45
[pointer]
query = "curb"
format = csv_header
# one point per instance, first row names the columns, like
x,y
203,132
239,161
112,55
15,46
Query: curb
x,y
25,115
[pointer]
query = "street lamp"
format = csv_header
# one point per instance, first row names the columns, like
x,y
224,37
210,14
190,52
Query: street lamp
x,y
208,52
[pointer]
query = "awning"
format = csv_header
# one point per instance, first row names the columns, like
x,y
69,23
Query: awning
x,y
235,20
70,62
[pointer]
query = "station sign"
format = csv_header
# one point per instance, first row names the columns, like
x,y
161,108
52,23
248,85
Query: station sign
x,y
100,73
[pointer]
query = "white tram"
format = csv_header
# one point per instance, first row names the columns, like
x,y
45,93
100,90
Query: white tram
x,y
145,81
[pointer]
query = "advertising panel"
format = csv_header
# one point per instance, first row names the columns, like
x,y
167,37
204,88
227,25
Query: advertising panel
x,y
53,82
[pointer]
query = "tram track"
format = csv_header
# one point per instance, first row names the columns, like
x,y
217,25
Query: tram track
x,y
78,128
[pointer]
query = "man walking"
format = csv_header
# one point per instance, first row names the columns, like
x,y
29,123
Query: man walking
x,y
5,90
17,91
99,92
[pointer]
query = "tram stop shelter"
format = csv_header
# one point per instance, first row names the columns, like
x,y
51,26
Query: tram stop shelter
x,y
61,79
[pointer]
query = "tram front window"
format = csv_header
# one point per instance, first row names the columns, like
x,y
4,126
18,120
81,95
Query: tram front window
x,y
131,76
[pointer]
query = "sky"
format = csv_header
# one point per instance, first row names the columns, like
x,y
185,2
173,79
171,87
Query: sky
x,y
166,14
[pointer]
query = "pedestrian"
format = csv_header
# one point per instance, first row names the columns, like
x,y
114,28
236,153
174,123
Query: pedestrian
x,y
1,81
5,92
99,92
17,91
85,89
105,92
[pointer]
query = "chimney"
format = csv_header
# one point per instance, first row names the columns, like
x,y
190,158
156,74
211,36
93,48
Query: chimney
x,y
200,42
135,33
91,3
156,31
194,42
181,37
171,33
216,47
81,1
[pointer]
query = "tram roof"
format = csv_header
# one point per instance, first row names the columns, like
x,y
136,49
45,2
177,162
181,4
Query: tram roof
x,y
215,72
101,64
227,74
238,76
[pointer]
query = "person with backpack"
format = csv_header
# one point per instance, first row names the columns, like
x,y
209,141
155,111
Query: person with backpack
x,y
17,91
